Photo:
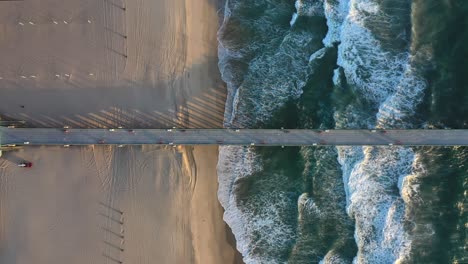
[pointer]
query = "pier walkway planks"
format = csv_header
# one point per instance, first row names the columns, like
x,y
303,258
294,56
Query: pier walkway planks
x,y
261,137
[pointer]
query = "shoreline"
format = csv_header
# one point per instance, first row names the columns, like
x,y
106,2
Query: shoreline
x,y
108,73
205,158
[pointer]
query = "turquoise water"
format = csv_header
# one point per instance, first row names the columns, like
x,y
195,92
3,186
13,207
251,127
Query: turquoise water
x,y
345,64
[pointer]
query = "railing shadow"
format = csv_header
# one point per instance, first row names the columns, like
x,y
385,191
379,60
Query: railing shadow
x,y
132,104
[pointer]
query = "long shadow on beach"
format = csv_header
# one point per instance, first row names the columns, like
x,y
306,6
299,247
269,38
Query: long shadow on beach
x,y
169,103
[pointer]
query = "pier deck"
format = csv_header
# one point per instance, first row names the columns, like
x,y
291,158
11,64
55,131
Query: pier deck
x,y
263,137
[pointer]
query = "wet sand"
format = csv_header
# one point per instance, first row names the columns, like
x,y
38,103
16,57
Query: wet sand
x,y
111,63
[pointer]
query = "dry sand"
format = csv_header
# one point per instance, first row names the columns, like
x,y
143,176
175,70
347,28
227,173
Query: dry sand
x,y
141,63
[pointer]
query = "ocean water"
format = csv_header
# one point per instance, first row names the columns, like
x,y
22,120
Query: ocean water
x,y
345,64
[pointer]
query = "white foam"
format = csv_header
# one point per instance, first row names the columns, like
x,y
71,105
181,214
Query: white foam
x,y
377,211
257,225
388,80
305,203
367,66
235,162
411,194
349,158
224,54
232,91
235,102
337,77
368,6
333,258
372,174
307,8
319,54
409,186
401,105
239,162
284,71
335,12
284,74
293,19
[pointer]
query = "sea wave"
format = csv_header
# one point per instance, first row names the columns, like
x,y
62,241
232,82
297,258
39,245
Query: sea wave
x,y
374,200
307,8
273,66
335,12
398,109
267,67
371,70
235,163
392,87
258,220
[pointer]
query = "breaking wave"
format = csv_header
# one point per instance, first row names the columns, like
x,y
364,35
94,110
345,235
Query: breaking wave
x,y
285,64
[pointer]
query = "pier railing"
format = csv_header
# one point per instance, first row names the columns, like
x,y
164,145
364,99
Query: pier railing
x,y
252,137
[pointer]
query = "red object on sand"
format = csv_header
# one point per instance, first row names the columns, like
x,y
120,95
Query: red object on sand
x,y
25,165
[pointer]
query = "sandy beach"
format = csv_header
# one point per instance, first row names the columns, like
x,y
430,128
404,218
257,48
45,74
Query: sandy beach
x,y
111,63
